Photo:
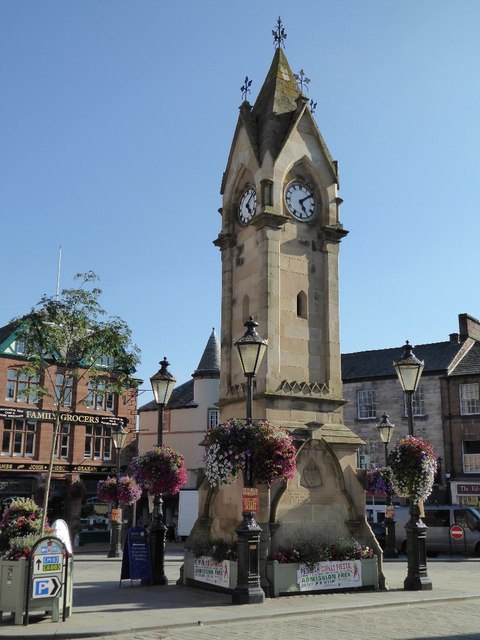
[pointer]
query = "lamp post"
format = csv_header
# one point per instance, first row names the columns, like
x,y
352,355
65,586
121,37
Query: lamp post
x,y
385,430
251,349
119,437
162,386
409,370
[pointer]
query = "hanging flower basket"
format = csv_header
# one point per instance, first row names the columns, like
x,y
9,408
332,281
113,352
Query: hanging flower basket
x,y
160,471
123,490
271,450
413,465
379,481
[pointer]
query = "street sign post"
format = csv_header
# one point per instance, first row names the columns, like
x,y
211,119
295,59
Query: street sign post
x,y
457,534
46,587
48,576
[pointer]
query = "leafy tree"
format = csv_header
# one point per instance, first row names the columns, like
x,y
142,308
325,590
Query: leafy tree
x,y
68,339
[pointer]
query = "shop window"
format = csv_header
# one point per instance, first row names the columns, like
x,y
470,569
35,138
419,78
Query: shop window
x,y
366,408
21,387
98,442
18,438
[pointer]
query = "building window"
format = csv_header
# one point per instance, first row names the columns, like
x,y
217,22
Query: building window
x,y
418,403
20,387
63,442
98,398
302,305
471,456
366,404
18,347
18,438
469,399
105,361
370,455
212,418
98,442
63,387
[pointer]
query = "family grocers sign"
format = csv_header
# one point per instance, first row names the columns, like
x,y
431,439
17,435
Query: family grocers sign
x,y
67,416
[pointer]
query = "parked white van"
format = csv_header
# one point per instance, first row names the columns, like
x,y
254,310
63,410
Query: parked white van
x,y
439,519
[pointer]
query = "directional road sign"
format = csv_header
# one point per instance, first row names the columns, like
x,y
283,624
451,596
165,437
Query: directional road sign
x,y
44,564
46,587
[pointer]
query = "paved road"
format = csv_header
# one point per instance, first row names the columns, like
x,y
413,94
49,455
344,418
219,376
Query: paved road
x,y
452,621
103,609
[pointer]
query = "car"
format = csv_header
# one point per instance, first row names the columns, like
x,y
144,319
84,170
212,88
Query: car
x,y
93,500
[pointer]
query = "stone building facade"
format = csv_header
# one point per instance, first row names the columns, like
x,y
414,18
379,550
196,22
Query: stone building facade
x,y
446,407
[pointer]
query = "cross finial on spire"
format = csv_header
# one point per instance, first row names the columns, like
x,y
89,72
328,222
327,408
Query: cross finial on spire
x,y
246,88
302,80
279,35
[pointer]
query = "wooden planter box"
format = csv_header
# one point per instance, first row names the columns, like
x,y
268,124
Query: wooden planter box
x,y
207,573
290,578
13,592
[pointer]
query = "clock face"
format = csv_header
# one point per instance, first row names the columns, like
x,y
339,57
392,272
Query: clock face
x,y
247,205
300,201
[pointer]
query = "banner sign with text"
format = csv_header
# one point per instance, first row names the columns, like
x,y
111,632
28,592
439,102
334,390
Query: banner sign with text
x,y
208,570
336,574
250,499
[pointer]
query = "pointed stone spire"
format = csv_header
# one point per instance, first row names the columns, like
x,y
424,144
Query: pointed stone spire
x,y
277,106
209,365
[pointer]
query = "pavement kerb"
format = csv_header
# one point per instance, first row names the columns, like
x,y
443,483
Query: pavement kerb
x,y
147,609
165,628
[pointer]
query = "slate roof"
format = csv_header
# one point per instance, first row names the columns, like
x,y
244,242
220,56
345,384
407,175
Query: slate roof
x,y
209,365
470,363
379,363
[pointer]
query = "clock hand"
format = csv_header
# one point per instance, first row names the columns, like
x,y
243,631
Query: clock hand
x,y
247,204
302,200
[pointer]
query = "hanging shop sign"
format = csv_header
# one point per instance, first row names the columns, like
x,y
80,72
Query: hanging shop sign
x,y
468,489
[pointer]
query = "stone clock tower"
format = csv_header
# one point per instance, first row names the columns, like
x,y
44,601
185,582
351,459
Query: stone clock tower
x,y
279,244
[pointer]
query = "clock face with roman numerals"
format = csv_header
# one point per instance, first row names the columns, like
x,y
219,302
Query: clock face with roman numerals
x,y
300,201
247,205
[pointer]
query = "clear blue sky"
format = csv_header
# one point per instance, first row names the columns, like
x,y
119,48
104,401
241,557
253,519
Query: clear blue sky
x,y
116,118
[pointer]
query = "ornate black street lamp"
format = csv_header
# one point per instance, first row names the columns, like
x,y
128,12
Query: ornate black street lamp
x,y
162,385
119,437
251,349
409,370
385,430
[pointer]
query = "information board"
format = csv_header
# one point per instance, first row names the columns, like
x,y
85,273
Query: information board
x,y
136,562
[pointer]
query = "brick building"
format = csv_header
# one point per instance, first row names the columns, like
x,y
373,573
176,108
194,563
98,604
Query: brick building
x,y
84,450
